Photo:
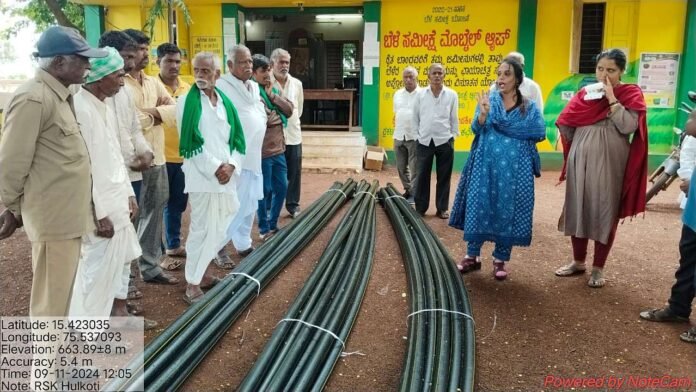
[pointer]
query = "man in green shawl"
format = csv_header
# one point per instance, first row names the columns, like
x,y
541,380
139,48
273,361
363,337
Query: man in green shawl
x,y
273,166
211,141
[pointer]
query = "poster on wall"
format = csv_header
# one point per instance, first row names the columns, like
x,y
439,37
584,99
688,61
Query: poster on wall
x,y
657,77
468,37
229,36
206,44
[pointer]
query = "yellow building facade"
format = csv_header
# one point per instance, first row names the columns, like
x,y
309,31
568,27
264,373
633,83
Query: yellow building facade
x,y
469,37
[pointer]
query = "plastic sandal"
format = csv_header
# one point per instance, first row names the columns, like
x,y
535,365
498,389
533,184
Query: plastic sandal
x,y
443,214
192,300
469,264
596,279
689,336
662,315
224,261
499,270
571,269
134,293
170,264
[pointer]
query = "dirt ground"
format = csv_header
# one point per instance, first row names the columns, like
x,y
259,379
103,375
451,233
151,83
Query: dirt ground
x,y
529,327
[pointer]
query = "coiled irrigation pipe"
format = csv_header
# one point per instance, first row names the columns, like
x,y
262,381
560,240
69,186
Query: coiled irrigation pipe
x,y
305,346
441,343
175,353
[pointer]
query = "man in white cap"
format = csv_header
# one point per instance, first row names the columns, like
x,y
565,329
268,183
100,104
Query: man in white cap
x,y
45,178
101,285
211,140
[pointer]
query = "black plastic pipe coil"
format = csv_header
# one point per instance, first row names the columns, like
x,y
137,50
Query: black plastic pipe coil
x,y
441,343
176,352
306,345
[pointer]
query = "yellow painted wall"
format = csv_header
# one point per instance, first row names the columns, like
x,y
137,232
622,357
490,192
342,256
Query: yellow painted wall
x,y
661,26
183,41
124,17
205,34
620,26
497,22
552,48
133,17
635,25
160,35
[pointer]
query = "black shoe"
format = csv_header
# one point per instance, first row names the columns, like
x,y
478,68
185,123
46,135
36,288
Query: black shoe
x,y
295,213
406,195
246,252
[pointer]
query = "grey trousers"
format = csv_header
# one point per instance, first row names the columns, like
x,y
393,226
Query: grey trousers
x,y
153,198
405,152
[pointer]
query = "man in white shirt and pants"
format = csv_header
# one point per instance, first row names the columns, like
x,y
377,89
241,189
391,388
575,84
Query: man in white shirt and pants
x,y
435,116
529,88
212,143
245,96
405,133
290,88
101,284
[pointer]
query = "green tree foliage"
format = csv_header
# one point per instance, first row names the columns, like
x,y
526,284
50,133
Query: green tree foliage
x,y
162,9
44,13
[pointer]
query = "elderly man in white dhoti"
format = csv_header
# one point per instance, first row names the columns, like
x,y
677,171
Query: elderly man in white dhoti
x,y
101,285
244,94
212,143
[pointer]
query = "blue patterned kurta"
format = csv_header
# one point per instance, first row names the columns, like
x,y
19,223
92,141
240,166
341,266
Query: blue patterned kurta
x,y
495,195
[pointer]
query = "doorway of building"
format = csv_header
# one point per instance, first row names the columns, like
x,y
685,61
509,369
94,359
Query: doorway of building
x,y
325,50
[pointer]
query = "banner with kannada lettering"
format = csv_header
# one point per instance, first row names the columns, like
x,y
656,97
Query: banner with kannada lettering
x,y
469,37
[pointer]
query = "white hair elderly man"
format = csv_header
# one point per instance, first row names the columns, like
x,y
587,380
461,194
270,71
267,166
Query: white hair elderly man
x,y
529,88
101,285
291,89
245,96
405,133
211,141
435,116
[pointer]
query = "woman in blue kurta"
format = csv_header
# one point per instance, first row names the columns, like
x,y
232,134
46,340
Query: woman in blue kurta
x,y
495,195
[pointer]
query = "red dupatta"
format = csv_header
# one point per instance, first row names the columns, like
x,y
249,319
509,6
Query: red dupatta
x,y
580,113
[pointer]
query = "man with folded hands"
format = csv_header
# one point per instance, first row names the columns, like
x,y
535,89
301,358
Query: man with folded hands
x,y
212,143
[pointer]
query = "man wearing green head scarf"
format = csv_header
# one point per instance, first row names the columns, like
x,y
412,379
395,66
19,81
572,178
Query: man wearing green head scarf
x,y
101,284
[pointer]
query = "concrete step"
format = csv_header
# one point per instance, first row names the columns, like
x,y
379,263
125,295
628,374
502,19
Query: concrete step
x,y
328,151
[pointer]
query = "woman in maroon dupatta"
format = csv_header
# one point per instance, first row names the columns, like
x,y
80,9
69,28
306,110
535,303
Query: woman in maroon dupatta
x,y
605,169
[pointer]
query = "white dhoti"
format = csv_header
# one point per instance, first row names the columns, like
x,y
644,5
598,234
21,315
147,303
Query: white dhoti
x,y
249,192
211,214
103,272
